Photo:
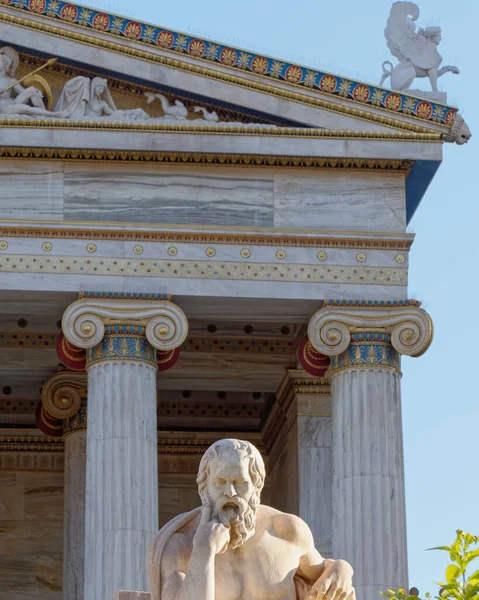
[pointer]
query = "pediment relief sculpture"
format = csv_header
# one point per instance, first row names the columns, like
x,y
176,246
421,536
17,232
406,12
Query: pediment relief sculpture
x,y
416,50
15,98
87,99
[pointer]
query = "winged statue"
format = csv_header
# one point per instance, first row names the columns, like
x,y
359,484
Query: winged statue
x,y
416,50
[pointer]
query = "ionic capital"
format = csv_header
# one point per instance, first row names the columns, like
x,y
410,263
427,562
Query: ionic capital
x,y
63,406
409,326
62,394
83,322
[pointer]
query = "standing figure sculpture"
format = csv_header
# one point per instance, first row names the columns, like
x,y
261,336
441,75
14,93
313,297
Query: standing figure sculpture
x,y
416,51
234,547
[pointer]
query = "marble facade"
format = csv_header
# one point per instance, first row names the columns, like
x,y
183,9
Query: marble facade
x,y
166,282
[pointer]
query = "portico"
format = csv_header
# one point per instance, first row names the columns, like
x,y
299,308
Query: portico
x,y
200,250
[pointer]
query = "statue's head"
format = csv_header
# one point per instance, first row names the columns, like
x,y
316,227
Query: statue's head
x,y
433,34
230,479
99,86
459,132
9,60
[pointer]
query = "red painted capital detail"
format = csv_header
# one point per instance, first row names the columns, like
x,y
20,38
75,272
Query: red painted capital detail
x,y
167,359
312,361
46,424
71,356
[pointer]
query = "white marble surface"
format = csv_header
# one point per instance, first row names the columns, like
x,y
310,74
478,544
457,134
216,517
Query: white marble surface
x,y
369,517
169,194
340,200
74,516
224,252
315,466
206,287
301,477
227,143
122,487
31,189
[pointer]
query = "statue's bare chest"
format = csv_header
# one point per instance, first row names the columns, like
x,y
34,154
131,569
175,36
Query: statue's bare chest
x,y
4,83
262,570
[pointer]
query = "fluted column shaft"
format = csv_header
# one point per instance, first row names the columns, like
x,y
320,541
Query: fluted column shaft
x,y
121,477
369,518
74,516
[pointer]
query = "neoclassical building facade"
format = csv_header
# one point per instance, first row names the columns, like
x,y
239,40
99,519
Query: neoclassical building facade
x,y
198,242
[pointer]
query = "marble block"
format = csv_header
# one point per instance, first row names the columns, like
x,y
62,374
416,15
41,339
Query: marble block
x,y
124,595
340,201
31,190
144,194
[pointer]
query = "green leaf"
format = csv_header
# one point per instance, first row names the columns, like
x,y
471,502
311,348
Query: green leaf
x,y
470,556
452,572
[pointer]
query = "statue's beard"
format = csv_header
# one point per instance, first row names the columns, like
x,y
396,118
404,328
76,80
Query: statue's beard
x,y
239,517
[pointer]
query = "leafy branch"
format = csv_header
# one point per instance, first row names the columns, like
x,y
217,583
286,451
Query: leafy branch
x,y
459,585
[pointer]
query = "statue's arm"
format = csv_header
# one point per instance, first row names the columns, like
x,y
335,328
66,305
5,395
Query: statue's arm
x,y
189,582
330,578
312,565
188,570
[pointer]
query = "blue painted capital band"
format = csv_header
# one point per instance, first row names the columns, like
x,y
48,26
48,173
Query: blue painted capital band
x,y
367,351
122,342
78,421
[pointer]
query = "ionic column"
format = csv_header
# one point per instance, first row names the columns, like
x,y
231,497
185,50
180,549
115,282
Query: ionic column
x,y
64,397
365,341
121,513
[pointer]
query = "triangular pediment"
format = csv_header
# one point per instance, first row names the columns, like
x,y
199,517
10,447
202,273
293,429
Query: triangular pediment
x,y
239,86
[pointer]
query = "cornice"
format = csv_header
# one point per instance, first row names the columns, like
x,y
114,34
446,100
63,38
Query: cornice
x,y
196,158
234,59
169,445
259,237
246,129
27,443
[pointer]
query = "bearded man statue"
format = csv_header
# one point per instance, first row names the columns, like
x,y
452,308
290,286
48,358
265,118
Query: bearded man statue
x,y
233,547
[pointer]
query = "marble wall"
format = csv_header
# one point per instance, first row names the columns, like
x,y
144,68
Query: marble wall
x,y
31,533
31,529
301,478
204,195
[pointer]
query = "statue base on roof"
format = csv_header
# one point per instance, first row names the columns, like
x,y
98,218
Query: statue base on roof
x,y
434,96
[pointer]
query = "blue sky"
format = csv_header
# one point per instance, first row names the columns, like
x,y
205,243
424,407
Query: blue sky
x,y
440,397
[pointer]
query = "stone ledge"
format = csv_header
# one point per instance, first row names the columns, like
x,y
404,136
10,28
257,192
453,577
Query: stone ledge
x,y
124,595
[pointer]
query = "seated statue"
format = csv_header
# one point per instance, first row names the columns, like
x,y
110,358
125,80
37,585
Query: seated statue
x,y
83,97
234,548
27,101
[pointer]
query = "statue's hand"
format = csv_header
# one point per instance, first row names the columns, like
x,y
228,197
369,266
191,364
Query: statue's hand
x,y
336,583
211,535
